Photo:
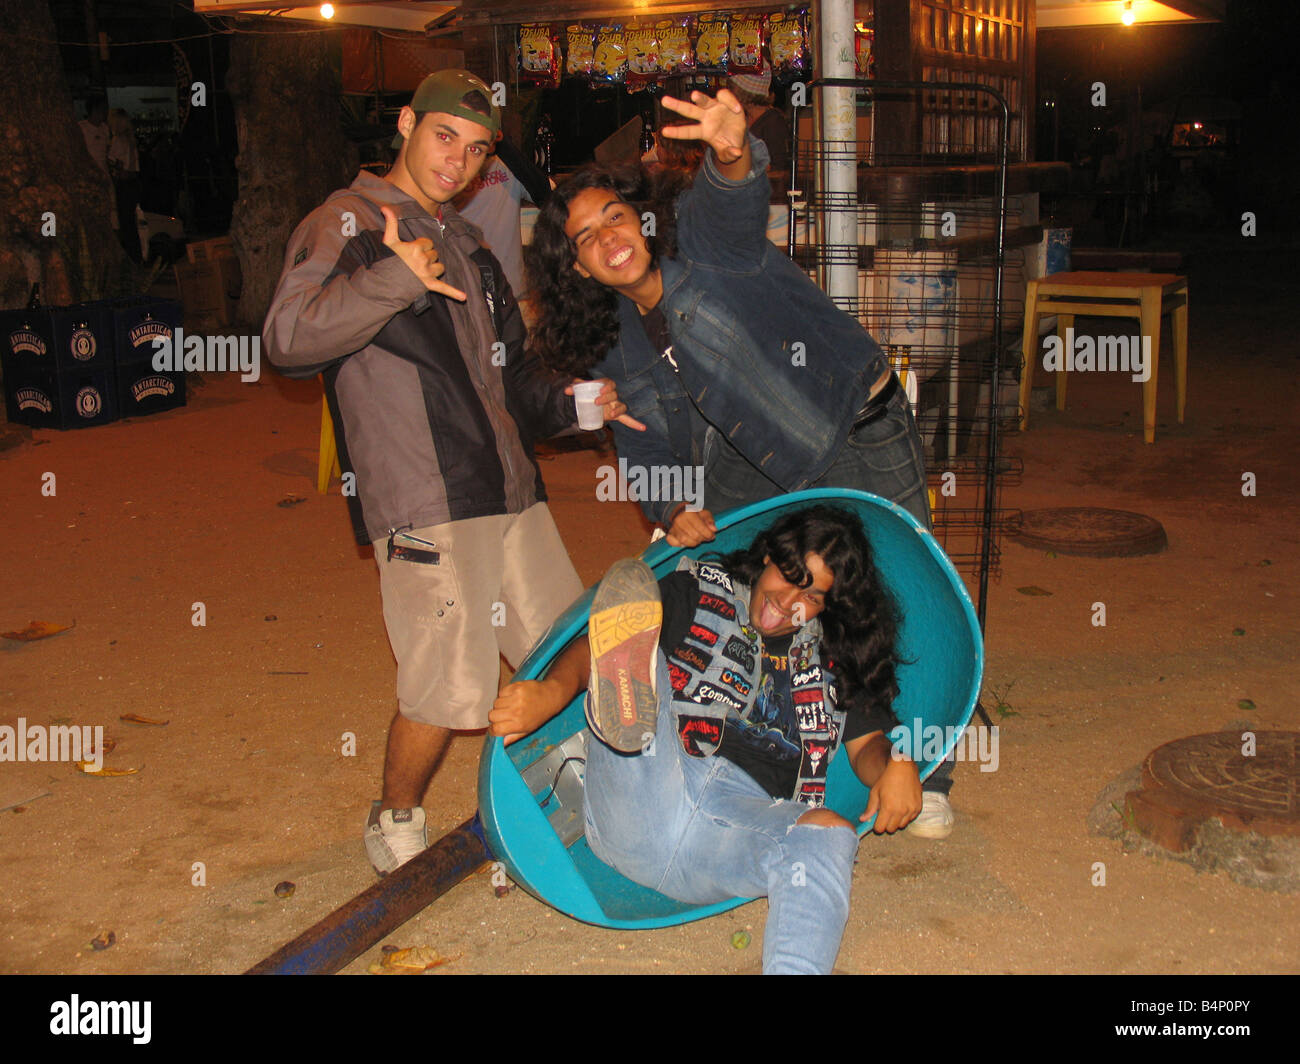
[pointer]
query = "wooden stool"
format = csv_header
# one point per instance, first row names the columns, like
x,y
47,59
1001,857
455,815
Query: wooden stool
x,y
327,465
1145,296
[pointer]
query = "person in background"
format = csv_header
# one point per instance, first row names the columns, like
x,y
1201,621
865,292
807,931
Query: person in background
x,y
94,127
124,168
492,202
754,91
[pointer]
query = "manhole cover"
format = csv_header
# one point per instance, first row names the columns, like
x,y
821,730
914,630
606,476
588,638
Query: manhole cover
x,y
1249,781
1091,532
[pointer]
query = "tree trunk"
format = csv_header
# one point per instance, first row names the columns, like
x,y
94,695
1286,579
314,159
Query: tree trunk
x,y
55,202
292,151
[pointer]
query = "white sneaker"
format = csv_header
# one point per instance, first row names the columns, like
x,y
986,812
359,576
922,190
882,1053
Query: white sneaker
x,y
394,836
934,821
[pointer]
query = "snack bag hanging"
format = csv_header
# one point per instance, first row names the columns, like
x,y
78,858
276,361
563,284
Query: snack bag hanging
x,y
746,46
711,44
611,54
581,59
539,55
676,56
643,67
787,40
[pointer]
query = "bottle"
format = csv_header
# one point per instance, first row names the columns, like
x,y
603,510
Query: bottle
x,y
647,137
545,141
34,299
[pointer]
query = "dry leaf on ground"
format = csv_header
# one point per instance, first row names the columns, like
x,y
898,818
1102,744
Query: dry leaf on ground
x,y
38,630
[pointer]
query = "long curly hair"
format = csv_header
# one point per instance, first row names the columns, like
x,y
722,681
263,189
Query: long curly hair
x,y
861,618
578,316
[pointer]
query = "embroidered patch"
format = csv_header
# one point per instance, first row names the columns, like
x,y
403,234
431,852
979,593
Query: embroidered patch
x,y
707,636
720,606
812,718
694,731
301,257
740,652
714,575
812,794
808,696
808,676
801,656
690,657
677,676
707,692
816,753
735,681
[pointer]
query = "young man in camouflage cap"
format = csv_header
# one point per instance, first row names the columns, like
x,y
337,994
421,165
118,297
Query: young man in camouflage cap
x,y
387,293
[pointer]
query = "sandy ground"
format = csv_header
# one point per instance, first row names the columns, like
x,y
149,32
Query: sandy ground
x,y
248,785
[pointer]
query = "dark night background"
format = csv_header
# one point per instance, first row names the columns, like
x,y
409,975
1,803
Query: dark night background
x,y
1244,67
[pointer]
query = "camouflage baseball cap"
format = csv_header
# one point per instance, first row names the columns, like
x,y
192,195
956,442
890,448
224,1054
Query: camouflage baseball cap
x,y
459,93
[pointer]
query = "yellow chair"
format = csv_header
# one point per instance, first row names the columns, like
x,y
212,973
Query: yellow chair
x,y
327,466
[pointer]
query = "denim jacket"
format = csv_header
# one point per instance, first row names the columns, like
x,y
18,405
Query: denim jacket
x,y
756,342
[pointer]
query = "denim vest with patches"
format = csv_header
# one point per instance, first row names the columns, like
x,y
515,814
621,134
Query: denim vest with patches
x,y
717,668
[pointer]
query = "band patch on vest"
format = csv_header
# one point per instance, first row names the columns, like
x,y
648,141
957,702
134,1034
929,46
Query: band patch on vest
x,y
735,681
740,652
707,636
812,794
677,677
714,575
696,730
807,677
816,753
707,692
812,717
800,657
717,605
690,657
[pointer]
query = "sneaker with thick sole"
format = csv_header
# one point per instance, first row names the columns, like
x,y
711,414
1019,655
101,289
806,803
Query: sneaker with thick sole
x,y
934,821
623,634
394,836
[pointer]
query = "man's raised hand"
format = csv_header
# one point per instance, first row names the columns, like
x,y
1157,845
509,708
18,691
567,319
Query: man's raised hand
x,y
719,122
420,256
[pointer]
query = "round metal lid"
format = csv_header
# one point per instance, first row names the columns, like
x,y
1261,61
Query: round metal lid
x,y
1091,532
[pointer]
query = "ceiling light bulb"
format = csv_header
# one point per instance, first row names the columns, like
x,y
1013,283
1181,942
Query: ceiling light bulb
x,y
327,11
1127,17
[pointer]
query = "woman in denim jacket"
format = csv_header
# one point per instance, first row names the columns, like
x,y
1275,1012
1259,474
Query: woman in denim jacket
x,y
720,345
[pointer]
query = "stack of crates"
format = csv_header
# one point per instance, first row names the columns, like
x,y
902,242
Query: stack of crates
x,y
209,283
73,367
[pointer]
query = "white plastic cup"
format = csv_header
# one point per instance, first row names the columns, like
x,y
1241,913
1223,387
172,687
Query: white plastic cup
x,y
590,415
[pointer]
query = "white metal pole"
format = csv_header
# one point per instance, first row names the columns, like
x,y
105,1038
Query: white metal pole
x,y
839,172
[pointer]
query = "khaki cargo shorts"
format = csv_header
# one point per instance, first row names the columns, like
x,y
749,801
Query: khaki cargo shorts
x,y
499,583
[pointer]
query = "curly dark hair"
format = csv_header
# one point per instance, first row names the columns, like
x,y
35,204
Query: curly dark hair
x,y
861,618
578,316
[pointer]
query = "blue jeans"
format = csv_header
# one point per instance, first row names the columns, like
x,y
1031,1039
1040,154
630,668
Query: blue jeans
x,y
885,458
701,830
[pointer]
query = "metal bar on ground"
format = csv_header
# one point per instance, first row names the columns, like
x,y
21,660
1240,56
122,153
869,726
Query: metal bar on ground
x,y
353,928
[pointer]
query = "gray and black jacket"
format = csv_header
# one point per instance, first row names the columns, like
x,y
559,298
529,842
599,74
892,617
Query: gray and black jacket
x,y
435,405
